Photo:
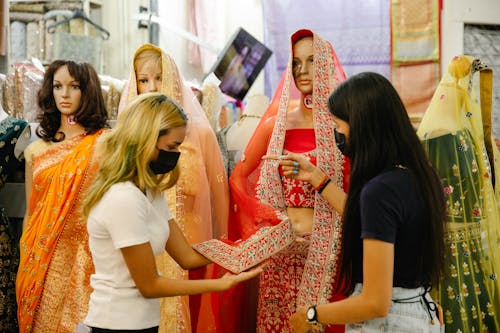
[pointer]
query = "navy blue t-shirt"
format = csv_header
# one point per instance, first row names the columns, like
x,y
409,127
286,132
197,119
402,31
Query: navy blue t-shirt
x,y
391,211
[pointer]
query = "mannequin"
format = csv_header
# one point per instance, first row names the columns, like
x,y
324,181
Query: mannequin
x,y
13,133
234,138
239,133
211,103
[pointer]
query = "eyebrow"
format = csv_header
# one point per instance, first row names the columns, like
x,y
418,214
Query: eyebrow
x,y
74,81
138,74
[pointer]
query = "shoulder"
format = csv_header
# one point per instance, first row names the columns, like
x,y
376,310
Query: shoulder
x,y
121,199
124,192
36,148
386,184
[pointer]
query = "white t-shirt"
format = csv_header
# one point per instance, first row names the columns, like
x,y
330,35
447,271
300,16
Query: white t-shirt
x,y
123,217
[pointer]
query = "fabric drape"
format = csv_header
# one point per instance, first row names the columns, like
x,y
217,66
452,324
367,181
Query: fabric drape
x,y
200,198
257,202
456,132
53,280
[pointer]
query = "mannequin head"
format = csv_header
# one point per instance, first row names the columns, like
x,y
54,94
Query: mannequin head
x,y
148,71
303,64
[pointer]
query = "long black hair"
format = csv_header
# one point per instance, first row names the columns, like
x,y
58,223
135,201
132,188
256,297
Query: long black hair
x,y
92,114
381,137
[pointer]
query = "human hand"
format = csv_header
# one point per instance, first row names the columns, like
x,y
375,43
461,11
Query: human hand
x,y
229,280
299,323
295,166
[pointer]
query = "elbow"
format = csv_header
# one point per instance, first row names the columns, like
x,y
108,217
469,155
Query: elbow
x,y
379,309
185,266
147,292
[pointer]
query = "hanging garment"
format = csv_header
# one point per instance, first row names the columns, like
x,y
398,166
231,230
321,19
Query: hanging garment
x,y
456,132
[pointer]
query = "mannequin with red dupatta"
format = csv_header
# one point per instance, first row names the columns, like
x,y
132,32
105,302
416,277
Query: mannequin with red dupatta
x,y
305,271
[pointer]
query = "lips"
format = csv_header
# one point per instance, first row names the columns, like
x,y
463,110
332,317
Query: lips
x,y
65,105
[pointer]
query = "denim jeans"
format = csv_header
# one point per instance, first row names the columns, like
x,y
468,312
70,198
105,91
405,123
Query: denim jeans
x,y
409,313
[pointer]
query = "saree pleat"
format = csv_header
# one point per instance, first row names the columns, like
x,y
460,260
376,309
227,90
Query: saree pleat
x,y
52,283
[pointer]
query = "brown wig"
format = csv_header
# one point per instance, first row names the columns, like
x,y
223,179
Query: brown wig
x,y
92,114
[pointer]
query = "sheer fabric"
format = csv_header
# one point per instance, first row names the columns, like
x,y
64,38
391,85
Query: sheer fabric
x,y
200,199
257,199
53,280
456,132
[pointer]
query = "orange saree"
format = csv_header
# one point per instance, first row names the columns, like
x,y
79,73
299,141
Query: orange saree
x,y
52,286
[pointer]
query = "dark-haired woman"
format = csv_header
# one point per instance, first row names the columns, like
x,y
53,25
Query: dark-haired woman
x,y
52,286
393,219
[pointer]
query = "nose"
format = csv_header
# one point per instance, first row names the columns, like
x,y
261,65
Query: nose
x,y
153,86
65,91
304,68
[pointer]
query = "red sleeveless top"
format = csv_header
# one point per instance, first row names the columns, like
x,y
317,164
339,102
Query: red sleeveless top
x,y
299,193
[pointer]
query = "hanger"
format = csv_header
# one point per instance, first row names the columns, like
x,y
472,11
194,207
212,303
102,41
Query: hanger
x,y
79,14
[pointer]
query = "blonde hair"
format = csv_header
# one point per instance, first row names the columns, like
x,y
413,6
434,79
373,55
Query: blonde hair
x,y
126,151
145,57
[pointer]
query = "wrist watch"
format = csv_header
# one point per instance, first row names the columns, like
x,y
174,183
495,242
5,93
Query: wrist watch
x,y
312,315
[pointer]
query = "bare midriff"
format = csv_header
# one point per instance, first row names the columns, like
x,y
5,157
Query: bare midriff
x,y
301,218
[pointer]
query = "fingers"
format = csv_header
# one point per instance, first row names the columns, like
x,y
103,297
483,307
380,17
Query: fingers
x,y
248,274
300,239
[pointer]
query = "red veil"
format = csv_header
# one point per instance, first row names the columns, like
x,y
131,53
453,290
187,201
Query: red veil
x,y
257,197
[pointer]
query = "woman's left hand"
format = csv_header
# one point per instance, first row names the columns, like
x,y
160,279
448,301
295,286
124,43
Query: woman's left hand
x,y
295,166
298,321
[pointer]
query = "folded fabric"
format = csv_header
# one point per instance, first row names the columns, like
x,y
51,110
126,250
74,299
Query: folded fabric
x,y
250,252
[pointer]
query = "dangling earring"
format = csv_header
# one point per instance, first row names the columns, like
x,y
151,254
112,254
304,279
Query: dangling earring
x,y
308,101
71,119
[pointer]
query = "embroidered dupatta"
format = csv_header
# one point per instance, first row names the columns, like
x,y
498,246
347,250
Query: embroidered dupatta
x,y
258,211
321,266
56,236
456,132
199,200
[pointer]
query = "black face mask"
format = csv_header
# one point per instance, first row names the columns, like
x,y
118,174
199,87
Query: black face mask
x,y
166,162
341,143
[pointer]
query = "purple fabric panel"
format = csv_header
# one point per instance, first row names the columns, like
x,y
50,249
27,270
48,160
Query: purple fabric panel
x,y
358,29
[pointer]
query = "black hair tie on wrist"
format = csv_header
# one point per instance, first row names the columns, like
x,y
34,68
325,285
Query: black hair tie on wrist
x,y
324,185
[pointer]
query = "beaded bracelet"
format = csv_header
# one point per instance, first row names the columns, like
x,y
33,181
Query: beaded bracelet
x,y
324,185
320,185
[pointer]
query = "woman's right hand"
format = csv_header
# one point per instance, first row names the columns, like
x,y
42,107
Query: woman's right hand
x,y
229,280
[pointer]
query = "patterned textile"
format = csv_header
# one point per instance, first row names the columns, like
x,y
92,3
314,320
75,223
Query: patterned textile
x,y
415,30
229,157
200,198
456,132
279,306
251,251
28,81
9,262
258,198
53,281
415,53
359,30
10,130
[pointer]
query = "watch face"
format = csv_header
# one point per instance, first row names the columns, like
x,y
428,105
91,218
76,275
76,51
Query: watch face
x,y
311,313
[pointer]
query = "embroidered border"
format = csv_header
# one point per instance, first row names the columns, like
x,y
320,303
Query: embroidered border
x,y
259,247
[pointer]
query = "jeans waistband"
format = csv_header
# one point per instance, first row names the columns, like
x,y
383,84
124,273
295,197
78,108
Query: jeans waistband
x,y
416,295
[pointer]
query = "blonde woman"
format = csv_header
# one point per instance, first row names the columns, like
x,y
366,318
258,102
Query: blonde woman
x,y
200,199
127,215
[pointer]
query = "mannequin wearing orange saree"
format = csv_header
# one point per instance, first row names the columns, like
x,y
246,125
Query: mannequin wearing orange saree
x,y
302,273
201,194
53,280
